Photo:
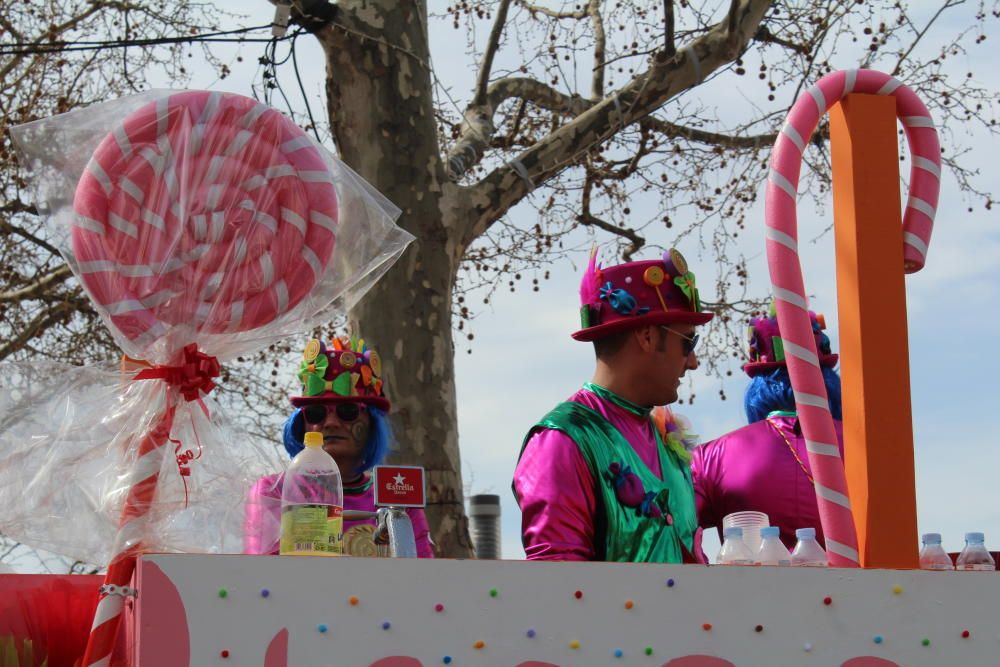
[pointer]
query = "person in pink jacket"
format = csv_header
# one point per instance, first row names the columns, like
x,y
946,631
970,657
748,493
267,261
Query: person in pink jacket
x,y
595,479
764,466
343,397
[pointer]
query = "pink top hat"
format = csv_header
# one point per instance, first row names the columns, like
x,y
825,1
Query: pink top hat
x,y
636,294
766,349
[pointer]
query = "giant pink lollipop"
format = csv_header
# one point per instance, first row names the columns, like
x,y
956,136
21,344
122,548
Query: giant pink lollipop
x,y
786,273
201,213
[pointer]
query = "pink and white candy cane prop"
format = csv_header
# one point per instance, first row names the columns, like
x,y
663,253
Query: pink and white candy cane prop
x,y
786,273
201,215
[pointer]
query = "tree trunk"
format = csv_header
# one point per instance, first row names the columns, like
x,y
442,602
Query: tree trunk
x,y
381,112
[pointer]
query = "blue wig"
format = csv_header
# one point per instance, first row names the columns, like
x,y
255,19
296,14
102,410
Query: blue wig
x,y
375,450
773,391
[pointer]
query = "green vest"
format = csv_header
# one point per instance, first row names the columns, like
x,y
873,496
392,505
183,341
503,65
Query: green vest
x,y
629,534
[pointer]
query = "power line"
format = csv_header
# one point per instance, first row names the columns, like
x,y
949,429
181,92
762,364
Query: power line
x,y
32,48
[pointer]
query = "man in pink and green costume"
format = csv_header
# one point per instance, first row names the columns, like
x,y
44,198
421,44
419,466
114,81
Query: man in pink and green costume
x,y
595,481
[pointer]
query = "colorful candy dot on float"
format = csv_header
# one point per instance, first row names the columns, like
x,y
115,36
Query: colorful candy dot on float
x,y
786,273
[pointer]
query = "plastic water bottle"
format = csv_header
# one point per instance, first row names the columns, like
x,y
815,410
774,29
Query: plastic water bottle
x,y
932,554
807,551
734,551
975,556
312,503
772,551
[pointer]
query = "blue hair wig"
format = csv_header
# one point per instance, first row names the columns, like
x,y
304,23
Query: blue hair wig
x,y
376,448
773,391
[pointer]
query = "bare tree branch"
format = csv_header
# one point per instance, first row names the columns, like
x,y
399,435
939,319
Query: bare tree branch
x,y
645,93
36,327
9,228
600,44
668,28
675,131
765,35
479,96
538,9
38,286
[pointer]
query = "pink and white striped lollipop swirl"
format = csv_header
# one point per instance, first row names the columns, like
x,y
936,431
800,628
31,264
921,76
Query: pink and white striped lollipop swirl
x,y
786,272
207,211
201,213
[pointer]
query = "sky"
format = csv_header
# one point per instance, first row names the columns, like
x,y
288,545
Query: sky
x,y
522,346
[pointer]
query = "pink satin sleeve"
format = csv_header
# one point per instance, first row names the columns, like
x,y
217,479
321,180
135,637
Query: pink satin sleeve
x,y
556,493
262,516
421,532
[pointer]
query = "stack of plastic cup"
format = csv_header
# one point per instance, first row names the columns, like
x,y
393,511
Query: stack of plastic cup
x,y
751,523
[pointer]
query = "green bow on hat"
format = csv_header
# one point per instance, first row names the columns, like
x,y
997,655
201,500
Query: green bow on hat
x,y
687,284
312,375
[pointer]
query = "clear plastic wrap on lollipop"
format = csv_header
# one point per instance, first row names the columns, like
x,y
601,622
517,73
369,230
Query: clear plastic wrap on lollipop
x,y
203,226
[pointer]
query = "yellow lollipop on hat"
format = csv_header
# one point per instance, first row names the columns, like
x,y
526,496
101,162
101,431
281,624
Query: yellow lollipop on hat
x,y
654,277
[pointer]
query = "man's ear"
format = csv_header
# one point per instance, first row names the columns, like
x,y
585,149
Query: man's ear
x,y
646,338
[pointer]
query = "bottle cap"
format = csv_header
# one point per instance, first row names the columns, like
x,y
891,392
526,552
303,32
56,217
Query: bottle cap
x,y
732,531
805,533
931,538
975,538
769,531
313,439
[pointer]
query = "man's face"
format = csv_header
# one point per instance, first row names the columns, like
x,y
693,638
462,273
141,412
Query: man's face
x,y
672,360
345,428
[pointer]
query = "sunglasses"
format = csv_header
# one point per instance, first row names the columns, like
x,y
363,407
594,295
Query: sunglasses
x,y
316,413
689,342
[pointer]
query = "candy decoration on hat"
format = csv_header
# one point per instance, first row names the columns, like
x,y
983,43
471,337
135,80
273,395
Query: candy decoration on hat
x,y
347,369
799,344
635,294
201,213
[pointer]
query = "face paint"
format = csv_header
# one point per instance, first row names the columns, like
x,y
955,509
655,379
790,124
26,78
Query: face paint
x,y
359,431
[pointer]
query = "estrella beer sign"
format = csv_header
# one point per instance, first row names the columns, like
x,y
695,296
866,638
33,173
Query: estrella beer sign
x,y
399,486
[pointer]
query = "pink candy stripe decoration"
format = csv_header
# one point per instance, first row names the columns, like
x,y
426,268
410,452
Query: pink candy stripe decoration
x,y
203,209
201,213
786,272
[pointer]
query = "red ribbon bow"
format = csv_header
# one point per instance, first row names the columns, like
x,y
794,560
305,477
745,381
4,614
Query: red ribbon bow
x,y
192,378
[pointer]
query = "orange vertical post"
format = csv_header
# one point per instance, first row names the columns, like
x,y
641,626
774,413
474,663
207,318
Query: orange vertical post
x,y
874,354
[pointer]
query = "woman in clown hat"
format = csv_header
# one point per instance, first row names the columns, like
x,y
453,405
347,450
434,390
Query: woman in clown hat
x,y
764,466
343,397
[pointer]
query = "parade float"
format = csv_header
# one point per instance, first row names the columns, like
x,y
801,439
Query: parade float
x,y
200,235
